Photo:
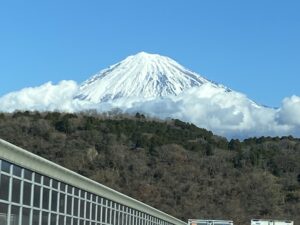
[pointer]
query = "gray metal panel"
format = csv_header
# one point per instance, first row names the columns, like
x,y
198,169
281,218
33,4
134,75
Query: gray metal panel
x,y
38,164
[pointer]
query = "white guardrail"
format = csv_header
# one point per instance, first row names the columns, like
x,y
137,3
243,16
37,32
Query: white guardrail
x,y
38,164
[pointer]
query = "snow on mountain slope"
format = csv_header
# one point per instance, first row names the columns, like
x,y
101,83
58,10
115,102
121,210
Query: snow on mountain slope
x,y
143,75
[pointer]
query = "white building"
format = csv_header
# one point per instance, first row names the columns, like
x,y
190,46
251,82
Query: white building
x,y
271,222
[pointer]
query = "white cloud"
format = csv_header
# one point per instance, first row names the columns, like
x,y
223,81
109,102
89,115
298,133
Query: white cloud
x,y
47,97
289,113
230,114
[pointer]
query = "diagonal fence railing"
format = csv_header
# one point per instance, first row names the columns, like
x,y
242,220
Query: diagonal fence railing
x,y
36,191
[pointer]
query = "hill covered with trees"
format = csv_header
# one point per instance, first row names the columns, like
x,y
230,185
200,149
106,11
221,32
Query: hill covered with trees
x,y
174,166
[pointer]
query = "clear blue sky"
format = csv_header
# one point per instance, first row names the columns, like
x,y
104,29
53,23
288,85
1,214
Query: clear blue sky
x,y
250,46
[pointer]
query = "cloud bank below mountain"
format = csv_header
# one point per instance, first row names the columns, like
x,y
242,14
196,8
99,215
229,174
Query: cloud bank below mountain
x,y
229,114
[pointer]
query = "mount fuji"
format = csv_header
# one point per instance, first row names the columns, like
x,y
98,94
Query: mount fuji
x,y
160,87
144,75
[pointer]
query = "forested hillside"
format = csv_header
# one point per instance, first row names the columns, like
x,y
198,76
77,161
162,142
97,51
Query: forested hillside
x,y
174,166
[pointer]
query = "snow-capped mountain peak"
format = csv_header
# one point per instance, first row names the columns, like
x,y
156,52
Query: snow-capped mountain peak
x,y
142,75
160,87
